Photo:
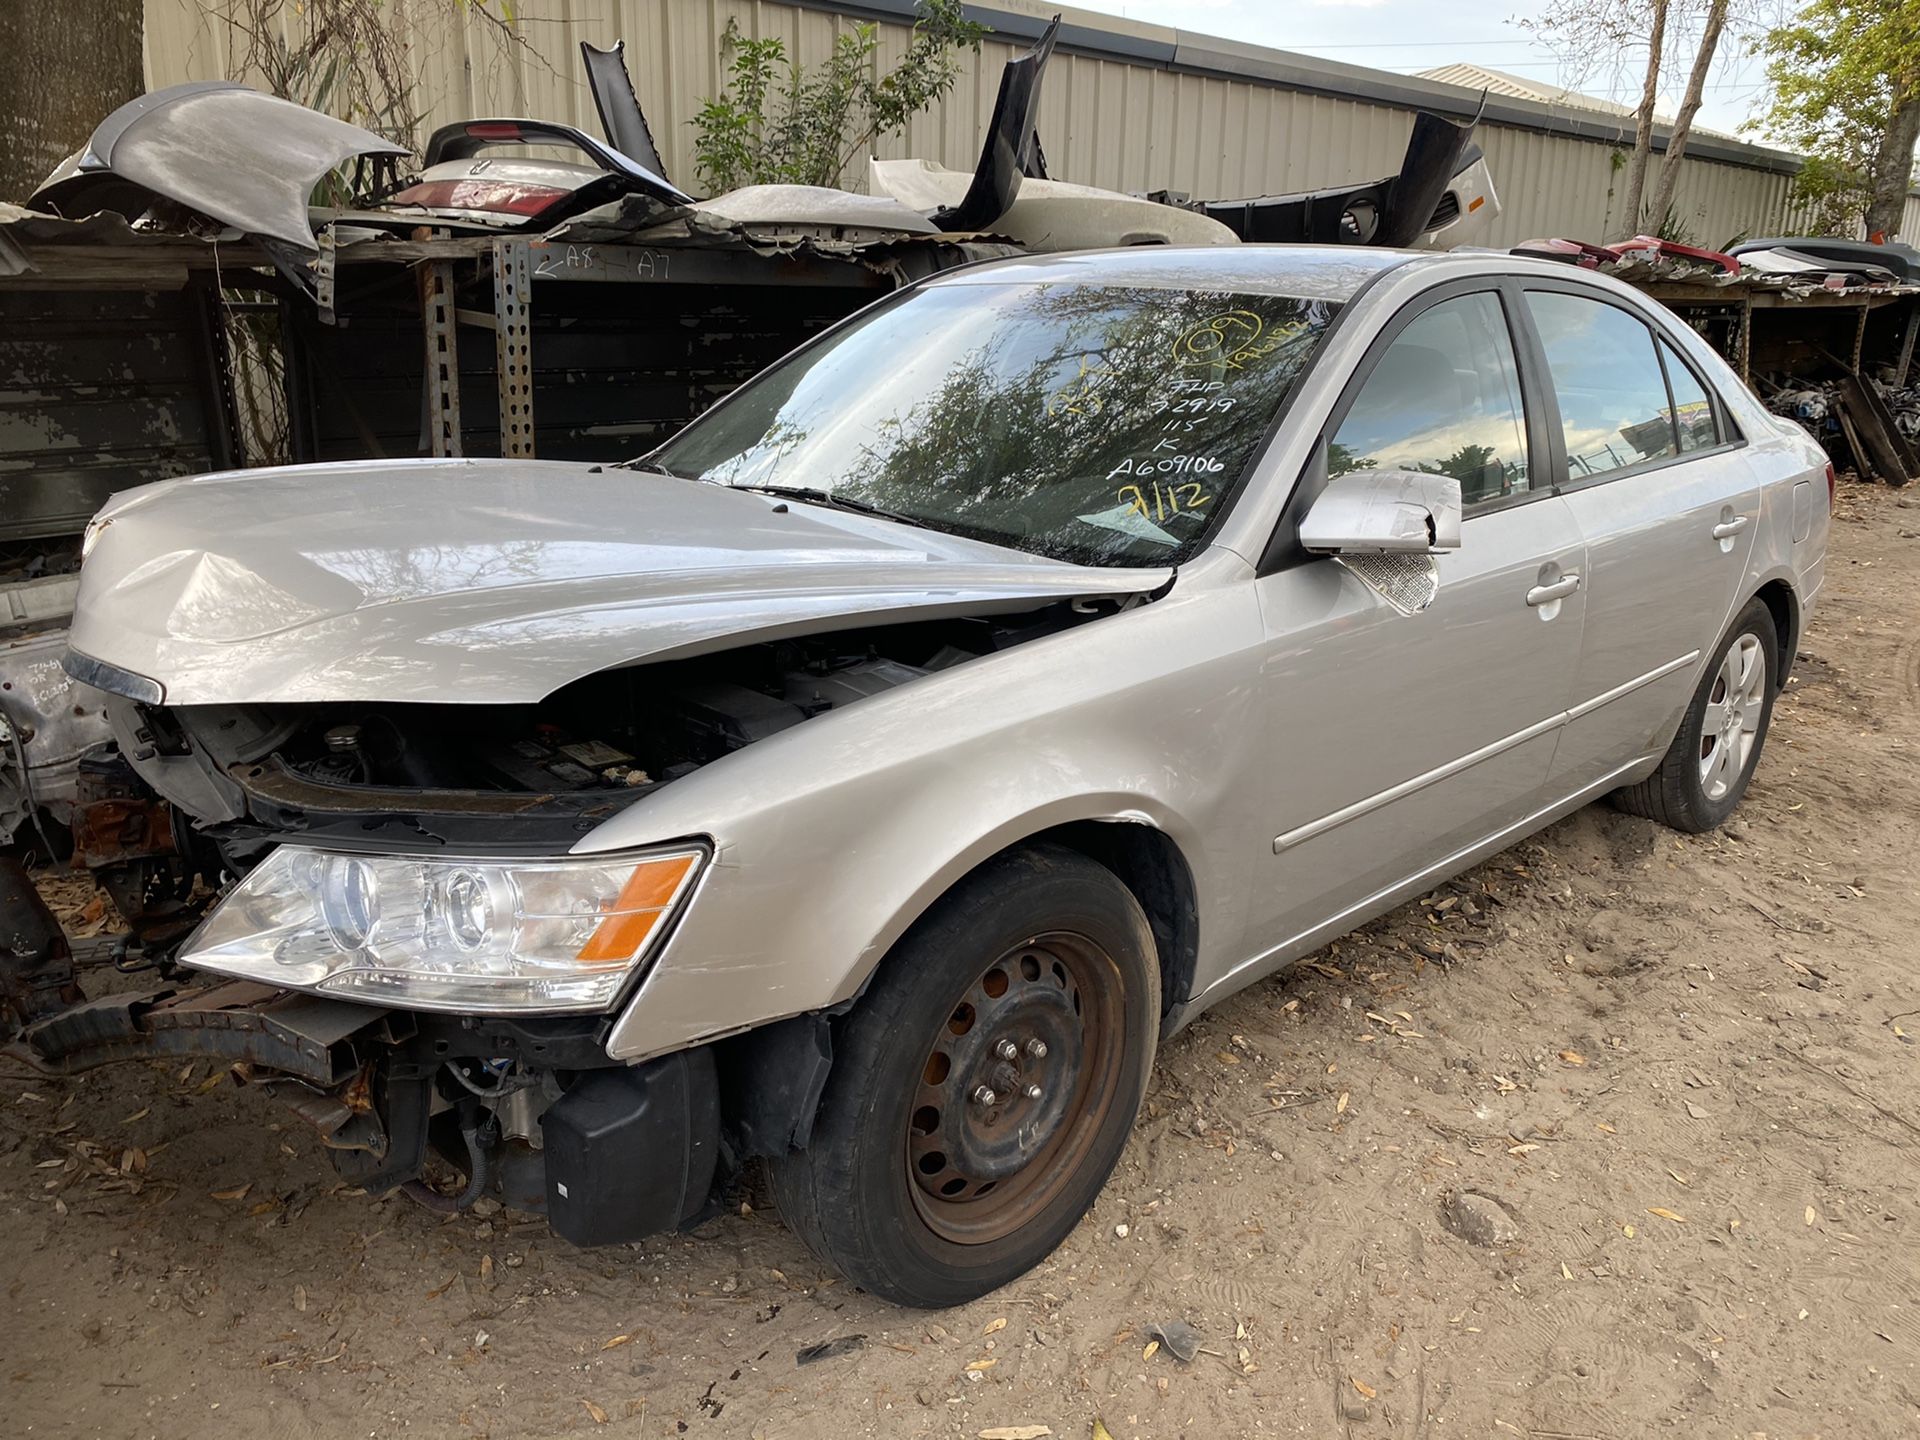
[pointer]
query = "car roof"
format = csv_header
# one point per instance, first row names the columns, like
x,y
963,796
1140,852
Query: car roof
x,y
1312,272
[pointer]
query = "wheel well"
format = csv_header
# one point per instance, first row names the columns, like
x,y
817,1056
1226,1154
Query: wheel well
x,y
1150,864
1779,599
771,1078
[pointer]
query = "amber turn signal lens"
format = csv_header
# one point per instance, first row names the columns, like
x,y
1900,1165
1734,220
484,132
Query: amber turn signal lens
x,y
642,901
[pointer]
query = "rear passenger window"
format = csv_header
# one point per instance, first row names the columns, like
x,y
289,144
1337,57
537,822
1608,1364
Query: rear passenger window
x,y
1613,396
1444,398
1692,410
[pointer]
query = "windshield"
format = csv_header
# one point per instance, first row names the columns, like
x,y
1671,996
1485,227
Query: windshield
x,y
1107,425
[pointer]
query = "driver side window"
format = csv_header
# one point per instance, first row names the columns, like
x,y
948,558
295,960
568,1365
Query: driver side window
x,y
1444,398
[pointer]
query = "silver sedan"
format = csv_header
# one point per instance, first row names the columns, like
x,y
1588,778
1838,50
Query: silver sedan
x,y
871,776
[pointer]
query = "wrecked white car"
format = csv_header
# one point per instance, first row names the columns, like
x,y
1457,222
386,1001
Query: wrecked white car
x,y
866,779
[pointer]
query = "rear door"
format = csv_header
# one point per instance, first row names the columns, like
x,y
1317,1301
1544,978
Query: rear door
x,y
1400,740
1667,502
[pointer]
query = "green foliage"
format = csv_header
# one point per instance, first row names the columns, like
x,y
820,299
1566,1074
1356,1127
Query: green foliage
x,y
1837,73
1470,465
1832,194
1344,459
1669,226
779,122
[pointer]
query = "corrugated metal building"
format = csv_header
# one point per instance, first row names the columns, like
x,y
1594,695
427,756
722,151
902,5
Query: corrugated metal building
x,y
1126,105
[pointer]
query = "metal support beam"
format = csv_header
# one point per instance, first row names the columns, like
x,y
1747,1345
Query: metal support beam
x,y
1744,359
443,359
513,346
1906,346
323,276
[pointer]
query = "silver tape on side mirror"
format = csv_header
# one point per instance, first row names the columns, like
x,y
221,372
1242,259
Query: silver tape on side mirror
x,y
1384,512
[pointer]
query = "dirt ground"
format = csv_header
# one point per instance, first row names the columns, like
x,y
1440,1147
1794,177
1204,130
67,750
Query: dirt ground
x,y
1682,1069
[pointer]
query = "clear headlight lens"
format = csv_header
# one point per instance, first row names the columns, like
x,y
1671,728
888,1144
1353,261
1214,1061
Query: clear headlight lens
x,y
434,934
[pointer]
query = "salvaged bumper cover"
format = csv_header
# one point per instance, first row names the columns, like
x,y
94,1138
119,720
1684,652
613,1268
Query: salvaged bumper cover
x,y
227,151
497,582
1052,216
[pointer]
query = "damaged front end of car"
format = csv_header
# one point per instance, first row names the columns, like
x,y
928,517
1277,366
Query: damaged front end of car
x,y
376,907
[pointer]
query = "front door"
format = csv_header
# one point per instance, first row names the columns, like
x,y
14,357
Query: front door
x,y
1400,740
1668,503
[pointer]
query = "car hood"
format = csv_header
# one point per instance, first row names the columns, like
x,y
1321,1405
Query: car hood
x,y
498,581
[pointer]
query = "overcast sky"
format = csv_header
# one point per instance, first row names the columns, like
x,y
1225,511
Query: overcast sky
x,y
1426,34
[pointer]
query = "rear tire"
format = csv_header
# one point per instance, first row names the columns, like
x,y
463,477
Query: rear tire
x,y
1706,770
912,1184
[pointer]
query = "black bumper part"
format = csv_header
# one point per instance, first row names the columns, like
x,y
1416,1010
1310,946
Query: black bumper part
x,y
36,967
631,1152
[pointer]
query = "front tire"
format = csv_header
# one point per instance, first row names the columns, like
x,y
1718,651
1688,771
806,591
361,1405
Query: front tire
x,y
984,1087
1706,770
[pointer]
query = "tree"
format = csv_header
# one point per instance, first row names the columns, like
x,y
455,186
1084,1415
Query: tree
x,y
1643,114
63,68
1612,39
1845,77
1710,33
777,122
1638,36
352,58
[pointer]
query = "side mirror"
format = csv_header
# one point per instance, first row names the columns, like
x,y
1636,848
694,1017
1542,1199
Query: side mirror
x,y
1384,512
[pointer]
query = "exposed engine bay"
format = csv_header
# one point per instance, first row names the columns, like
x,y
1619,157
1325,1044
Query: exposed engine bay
x,y
497,778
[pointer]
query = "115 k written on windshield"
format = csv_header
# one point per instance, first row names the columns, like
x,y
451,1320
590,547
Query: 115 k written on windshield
x,y
1101,424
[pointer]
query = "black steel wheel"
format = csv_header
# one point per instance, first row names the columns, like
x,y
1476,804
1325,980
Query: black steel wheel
x,y
983,1089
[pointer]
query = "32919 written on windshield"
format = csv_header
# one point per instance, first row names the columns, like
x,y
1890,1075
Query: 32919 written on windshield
x,y
1101,424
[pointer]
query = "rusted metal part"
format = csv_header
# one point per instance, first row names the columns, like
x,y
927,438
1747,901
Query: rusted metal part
x,y
125,838
36,965
323,1042
122,827
339,1125
358,1096
1014,1088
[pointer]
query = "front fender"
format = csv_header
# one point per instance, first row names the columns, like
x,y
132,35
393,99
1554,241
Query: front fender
x,y
832,838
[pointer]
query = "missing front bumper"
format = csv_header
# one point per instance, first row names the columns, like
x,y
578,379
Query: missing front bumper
x,y
623,1152
324,1043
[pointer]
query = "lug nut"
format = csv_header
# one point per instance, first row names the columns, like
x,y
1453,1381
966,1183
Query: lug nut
x,y
1037,1049
1006,1050
1033,1092
984,1096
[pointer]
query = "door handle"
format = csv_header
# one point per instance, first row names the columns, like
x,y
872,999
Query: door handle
x,y
1727,529
1558,590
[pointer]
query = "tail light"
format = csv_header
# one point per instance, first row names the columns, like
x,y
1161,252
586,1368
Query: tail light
x,y
1833,485
499,197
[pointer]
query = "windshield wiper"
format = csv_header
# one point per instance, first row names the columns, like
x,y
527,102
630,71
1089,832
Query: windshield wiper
x,y
836,501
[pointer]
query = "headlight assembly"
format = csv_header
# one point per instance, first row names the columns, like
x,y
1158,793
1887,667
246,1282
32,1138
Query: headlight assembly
x,y
442,934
